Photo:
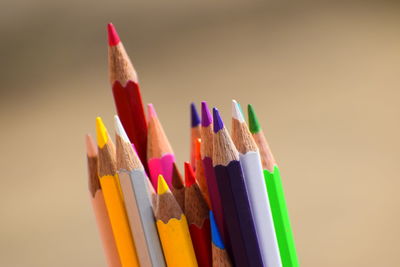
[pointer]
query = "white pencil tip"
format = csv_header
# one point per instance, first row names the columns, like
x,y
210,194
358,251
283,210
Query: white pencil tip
x,y
236,111
119,129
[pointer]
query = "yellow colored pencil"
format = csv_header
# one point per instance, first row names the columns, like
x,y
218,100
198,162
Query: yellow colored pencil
x,y
173,229
113,198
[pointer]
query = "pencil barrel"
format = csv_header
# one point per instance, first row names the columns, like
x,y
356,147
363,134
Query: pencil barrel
x,y
281,218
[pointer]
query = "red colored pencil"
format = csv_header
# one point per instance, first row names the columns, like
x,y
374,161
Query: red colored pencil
x,y
197,214
127,96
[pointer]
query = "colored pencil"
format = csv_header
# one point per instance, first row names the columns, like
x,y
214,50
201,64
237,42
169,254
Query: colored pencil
x,y
127,96
276,194
206,155
173,229
178,189
112,196
200,174
133,180
194,133
220,257
197,213
235,201
99,206
256,188
160,156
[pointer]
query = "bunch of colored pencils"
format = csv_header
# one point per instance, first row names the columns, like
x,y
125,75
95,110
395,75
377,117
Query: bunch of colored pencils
x,y
229,210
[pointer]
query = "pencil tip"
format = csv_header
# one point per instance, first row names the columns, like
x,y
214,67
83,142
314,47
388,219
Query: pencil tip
x,y
91,148
189,175
215,236
195,120
101,131
206,118
197,151
162,187
237,111
113,38
254,126
151,111
119,129
218,123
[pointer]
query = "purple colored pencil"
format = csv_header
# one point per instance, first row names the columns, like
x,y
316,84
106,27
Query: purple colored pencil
x,y
206,156
233,192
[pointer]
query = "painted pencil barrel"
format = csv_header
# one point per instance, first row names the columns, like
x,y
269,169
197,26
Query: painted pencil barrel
x,y
176,242
139,182
119,221
255,183
281,218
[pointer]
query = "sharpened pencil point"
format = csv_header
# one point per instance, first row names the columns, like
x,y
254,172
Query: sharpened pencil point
x,y
197,151
102,134
113,38
218,123
151,111
236,111
254,126
206,118
189,175
119,129
195,120
91,148
215,236
162,187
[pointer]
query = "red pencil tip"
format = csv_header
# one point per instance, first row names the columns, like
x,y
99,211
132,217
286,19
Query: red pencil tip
x,y
189,175
113,38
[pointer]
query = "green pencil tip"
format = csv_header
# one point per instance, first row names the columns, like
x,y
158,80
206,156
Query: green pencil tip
x,y
253,121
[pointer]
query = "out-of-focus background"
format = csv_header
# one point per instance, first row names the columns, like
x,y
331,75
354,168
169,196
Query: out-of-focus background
x,y
322,75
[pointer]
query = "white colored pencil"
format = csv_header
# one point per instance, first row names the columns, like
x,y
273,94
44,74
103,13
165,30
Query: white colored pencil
x,y
137,197
255,183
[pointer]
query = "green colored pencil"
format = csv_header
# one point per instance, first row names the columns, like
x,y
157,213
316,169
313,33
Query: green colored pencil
x,y
276,195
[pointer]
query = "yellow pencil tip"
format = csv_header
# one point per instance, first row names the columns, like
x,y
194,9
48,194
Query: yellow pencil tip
x,y
162,185
102,135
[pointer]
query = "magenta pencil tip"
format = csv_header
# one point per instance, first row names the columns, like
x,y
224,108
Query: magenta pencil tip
x,y
113,38
218,123
195,120
206,118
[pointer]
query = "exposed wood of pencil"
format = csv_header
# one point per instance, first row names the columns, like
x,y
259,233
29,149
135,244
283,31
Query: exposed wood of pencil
x,y
200,174
196,208
120,66
267,158
99,206
206,141
167,208
157,142
242,138
178,189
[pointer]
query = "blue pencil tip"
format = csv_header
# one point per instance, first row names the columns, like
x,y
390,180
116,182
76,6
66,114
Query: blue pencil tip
x,y
195,119
215,236
218,123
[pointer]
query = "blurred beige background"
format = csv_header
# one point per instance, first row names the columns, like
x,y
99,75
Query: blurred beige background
x,y
323,76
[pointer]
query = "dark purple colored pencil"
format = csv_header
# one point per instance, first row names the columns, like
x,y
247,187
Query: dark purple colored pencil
x,y
236,206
